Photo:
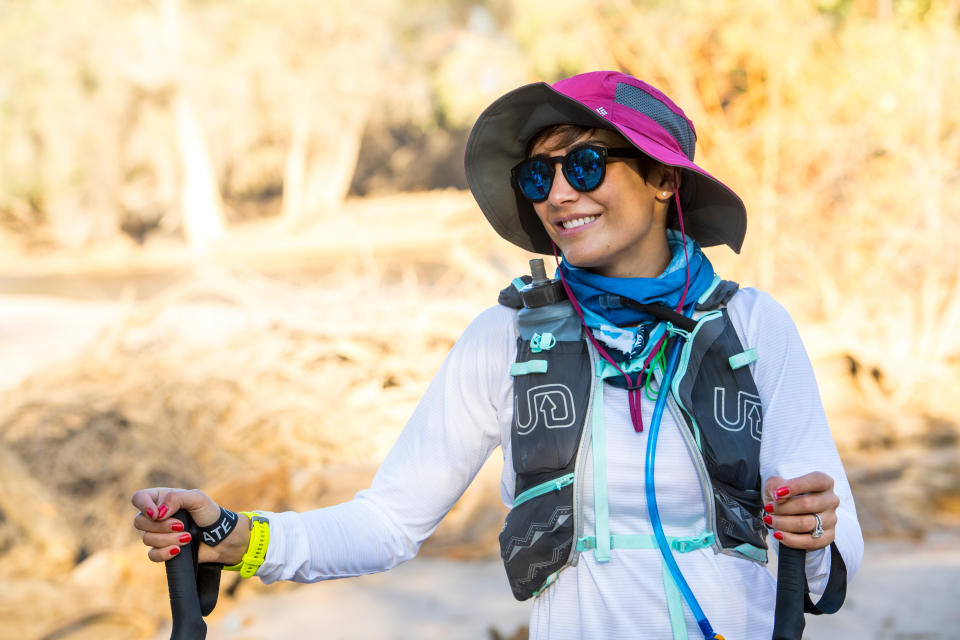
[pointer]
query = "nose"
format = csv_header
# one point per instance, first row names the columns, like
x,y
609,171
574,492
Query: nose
x,y
561,191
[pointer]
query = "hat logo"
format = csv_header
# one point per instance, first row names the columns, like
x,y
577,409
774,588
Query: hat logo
x,y
601,111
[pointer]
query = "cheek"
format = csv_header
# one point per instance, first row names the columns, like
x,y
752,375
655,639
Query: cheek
x,y
541,210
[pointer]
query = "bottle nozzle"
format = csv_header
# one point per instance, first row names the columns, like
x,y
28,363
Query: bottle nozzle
x,y
538,271
542,291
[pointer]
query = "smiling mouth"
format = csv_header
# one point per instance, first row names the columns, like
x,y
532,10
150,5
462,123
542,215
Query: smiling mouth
x,y
577,222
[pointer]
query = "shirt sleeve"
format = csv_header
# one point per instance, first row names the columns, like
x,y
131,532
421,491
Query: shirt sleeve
x,y
442,447
796,437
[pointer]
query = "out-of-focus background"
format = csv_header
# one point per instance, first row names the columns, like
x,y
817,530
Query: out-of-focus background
x,y
236,241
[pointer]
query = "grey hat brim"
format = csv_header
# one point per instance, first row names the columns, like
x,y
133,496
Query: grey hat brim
x,y
713,214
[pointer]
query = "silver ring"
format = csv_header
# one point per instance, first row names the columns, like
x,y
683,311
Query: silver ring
x,y
817,530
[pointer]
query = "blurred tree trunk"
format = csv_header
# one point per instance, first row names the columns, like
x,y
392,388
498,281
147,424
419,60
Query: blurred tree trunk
x,y
320,163
296,166
200,203
939,313
201,209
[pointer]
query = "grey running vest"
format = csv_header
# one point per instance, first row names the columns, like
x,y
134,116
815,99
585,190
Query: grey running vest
x,y
713,393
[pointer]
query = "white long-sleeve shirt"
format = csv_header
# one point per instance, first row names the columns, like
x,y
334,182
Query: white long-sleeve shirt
x,y
467,412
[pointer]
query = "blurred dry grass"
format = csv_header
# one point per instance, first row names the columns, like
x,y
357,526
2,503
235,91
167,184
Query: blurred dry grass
x,y
837,122
284,393
269,393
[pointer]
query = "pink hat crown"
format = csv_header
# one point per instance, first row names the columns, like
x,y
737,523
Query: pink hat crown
x,y
633,104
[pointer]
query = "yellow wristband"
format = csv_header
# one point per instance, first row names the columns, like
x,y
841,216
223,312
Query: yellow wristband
x,y
257,549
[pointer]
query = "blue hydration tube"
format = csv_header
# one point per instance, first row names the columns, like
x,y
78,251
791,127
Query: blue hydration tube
x,y
662,543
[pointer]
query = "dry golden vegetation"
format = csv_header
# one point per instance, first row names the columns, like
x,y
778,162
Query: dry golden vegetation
x,y
230,151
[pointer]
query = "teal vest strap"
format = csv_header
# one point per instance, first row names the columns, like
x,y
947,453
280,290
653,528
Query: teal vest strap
x,y
546,487
674,605
752,552
742,359
713,287
549,581
646,541
528,367
606,370
542,342
601,508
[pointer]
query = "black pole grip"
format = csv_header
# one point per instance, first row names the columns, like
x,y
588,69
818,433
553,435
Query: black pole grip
x,y
188,621
788,619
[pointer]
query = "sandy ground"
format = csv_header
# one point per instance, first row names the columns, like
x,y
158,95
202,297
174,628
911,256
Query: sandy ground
x,y
39,331
902,592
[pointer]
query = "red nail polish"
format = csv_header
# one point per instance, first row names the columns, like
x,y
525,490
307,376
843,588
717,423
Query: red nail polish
x,y
176,550
163,511
782,491
185,537
768,519
768,508
778,535
150,513
177,526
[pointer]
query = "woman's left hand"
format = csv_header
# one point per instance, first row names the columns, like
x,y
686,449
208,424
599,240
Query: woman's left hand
x,y
790,505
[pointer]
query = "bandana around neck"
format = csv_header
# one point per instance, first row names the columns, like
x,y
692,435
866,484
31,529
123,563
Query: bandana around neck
x,y
626,329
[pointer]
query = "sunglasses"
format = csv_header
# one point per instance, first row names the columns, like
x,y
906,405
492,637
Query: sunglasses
x,y
584,167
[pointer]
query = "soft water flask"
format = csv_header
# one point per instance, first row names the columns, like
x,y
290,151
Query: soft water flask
x,y
546,308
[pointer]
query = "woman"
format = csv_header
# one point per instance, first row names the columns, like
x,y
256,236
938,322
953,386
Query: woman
x,y
597,168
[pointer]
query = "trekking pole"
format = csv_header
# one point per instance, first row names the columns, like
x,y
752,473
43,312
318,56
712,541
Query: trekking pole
x,y
185,607
788,621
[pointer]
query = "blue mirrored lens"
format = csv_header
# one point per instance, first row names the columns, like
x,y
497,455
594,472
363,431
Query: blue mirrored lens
x,y
535,178
583,169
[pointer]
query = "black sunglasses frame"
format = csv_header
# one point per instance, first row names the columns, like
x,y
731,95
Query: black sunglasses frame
x,y
605,153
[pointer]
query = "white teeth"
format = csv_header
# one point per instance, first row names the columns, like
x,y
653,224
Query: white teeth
x,y
578,222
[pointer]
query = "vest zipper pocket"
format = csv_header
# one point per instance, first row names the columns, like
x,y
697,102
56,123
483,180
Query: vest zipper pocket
x,y
537,537
546,487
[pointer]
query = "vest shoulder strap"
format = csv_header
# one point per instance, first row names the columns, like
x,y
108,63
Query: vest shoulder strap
x,y
718,295
510,295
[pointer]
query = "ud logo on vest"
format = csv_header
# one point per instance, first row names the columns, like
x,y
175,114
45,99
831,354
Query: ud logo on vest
x,y
550,405
748,412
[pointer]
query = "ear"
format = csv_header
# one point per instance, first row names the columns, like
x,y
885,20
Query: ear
x,y
663,179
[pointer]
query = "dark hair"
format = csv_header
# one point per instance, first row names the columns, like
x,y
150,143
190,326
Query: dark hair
x,y
567,134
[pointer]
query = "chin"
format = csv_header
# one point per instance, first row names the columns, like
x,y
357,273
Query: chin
x,y
583,262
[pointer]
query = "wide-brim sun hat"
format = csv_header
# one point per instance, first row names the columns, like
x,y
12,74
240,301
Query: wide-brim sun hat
x,y
712,213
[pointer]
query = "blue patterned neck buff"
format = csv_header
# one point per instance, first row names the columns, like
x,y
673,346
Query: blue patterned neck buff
x,y
629,330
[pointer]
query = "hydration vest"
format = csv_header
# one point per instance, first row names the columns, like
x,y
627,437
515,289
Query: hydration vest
x,y
558,421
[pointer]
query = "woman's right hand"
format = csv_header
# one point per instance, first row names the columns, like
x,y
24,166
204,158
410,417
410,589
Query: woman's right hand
x,y
164,534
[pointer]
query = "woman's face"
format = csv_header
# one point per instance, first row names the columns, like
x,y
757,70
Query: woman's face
x,y
616,230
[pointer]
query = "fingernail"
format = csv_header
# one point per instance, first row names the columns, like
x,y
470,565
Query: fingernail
x,y
150,513
768,508
782,491
163,510
176,550
177,526
778,535
768,519
185,537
